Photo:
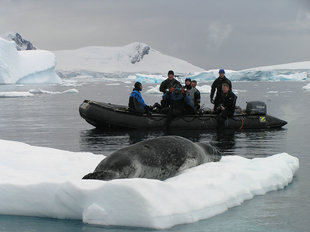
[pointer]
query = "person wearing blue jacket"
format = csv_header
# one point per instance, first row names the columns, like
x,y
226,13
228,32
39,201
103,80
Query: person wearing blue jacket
x,y
179,104
136,103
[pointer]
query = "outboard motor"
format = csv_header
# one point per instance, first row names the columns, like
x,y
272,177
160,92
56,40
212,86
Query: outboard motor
x,y
256,107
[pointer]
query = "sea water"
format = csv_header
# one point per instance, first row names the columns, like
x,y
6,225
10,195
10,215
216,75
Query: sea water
x,y
52,120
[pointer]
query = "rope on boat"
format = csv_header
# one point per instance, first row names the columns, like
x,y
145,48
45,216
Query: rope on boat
x,y
242,124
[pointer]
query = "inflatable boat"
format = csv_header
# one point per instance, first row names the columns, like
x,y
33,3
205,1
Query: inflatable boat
x,y
109,116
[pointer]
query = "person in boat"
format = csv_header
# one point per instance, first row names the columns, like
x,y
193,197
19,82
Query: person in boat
x,y
196,94
170,82
179,104
166,85
136,103
217,86
226,108
188,84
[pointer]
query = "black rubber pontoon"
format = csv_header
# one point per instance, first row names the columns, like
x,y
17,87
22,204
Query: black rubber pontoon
x,y
106,115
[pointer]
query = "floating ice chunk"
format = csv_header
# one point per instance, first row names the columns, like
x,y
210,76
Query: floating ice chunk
x,y
306,87
113,84
31,66
33,92
41,91
145,78
272,91
14,94
45,182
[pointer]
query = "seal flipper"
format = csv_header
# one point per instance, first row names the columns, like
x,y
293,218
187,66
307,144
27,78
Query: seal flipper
x,y
102,175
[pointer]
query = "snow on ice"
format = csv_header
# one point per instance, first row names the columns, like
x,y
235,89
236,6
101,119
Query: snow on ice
x,y
30,66
45,182
33,92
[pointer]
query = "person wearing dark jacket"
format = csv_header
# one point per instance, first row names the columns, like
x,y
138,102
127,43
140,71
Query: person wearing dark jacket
x,y
178,103
228,102
136,103
217,86
170,82
196,95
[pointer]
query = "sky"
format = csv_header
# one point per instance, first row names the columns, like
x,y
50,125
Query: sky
x,y
211,34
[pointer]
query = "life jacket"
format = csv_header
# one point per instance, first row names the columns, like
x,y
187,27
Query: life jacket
x,y
136,103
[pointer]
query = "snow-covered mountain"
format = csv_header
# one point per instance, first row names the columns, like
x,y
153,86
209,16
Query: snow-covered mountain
x,y
31,66
132,58
21,43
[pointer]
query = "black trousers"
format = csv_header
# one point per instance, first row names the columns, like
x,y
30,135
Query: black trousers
x,y
223,115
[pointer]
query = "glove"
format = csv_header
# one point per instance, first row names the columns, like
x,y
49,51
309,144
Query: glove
x,y
211,100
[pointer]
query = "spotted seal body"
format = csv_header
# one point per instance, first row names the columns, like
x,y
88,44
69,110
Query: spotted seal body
x,y
158,158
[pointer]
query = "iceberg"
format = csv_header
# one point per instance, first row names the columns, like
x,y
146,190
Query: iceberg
x,y
204,89
25,67
211,75
254,75
46,182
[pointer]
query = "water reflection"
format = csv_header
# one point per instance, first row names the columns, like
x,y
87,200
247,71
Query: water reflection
x,y
250,144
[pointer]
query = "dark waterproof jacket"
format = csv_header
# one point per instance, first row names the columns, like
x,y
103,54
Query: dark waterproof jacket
x,y
217,85
228,101
167,84
178,101
136,103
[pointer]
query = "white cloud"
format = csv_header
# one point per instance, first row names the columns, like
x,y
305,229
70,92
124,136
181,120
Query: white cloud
x,y
217,33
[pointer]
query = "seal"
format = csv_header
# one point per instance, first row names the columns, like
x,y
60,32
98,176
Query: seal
x,y
159,158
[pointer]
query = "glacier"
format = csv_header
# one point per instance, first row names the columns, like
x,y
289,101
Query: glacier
x,y
26,67
211,75
46,182
255,75
129,59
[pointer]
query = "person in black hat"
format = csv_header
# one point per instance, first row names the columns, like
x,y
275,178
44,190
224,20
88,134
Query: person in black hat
x,y
168,85
136,103
188,83
217,85
170,82
192,93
